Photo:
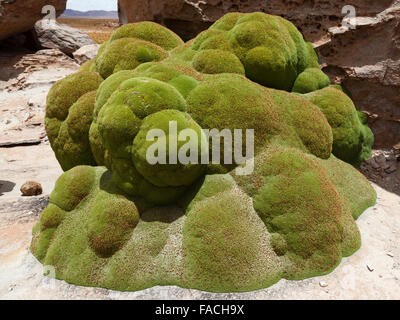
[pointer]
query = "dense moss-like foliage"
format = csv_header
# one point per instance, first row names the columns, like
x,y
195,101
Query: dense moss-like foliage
x,y
292,218
311,79
127,54
268,49
148,31
302,209
70,104
132,45
217,61
143,217
167,174
352,139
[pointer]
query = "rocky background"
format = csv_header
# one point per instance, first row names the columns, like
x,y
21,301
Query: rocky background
x,y
18,16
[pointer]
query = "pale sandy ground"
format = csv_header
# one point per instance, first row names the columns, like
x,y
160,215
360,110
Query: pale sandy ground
x,y
371,273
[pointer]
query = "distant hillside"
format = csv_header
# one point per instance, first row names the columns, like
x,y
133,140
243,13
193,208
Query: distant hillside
x,y
93,14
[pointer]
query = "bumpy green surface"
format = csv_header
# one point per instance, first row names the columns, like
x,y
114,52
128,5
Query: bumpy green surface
x,y
268,49
127,54
169,174
70,104
352,139
132,45
128,224
311,79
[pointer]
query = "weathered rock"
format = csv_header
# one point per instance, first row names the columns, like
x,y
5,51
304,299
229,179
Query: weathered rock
x,y
17,16
42,68
25,80
187,18
384,169
59,36
86,53
31,188
366,60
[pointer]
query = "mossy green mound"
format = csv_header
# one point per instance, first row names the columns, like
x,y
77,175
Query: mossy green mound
x,y
169,148
306,208
268,49
217,61
292,218
127,54
352,139
155,114
311,79
148,31
132,45
70,104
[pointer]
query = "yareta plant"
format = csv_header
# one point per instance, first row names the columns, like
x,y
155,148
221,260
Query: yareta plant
x,y
117,221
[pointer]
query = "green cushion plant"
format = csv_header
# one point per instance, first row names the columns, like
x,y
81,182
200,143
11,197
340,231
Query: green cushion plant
x,y
117,221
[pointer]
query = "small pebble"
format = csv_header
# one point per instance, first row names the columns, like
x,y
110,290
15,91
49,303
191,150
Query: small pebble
x,y
27,116
390,254
370,268
323,284
31,188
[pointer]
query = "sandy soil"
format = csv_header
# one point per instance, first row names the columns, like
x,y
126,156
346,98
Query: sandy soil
x,y
98,29
371,273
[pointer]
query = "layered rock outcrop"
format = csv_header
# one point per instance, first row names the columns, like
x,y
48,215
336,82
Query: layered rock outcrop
x,y
366,60
188,17
17,16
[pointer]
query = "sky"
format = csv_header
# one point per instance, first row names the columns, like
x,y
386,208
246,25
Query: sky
x,y
86,5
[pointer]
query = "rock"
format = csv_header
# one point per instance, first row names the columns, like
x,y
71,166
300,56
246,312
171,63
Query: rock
x,y
383,169
19,16
19,139
366,60
59,36
372,163
86,53
323,284
31,188
188,18
38,70
390,254
381,161
370,268
391,169
27,116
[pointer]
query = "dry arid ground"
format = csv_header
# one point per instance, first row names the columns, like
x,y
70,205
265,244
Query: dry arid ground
x,y
98,29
